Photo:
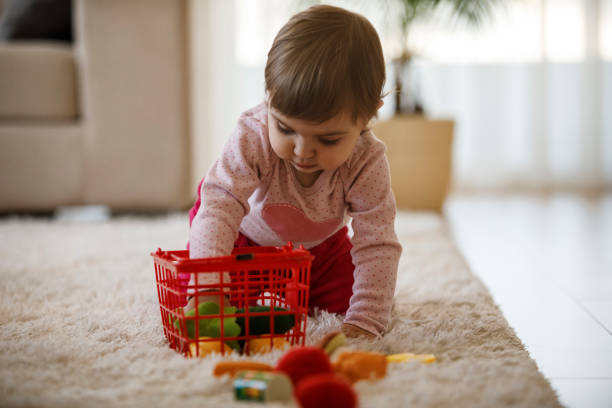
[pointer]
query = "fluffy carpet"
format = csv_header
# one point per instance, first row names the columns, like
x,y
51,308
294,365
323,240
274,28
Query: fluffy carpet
x,y
80,325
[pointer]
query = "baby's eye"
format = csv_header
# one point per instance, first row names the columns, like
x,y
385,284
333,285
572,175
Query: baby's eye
x,y
283,129
329,142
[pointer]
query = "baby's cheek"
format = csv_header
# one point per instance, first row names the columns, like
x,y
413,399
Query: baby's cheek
x,y
282,149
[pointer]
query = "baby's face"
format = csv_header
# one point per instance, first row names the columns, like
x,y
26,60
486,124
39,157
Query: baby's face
x,y
313,147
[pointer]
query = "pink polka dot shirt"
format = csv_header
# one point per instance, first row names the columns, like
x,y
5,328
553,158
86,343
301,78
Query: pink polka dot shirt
x,y
251,190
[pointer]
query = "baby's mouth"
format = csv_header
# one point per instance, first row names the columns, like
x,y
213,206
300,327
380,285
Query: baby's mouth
x,y
305,166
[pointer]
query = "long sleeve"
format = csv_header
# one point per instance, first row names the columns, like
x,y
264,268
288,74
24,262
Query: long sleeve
x,y
376,249
226,190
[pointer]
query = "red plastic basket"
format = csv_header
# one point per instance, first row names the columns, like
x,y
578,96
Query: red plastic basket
x,y
277,277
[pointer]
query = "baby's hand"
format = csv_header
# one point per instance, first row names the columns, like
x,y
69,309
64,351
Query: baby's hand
x,y
203,298
351,330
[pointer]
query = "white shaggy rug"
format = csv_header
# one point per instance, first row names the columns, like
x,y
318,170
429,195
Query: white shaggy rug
x,y
80,325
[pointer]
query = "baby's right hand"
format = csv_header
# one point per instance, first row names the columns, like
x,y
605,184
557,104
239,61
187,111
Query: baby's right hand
x,y
352,331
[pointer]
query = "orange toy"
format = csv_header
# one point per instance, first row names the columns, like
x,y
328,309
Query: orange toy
x,y
360,365
262,344
206,346
232,367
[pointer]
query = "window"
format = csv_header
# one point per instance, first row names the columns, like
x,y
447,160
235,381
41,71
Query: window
x,y
520,31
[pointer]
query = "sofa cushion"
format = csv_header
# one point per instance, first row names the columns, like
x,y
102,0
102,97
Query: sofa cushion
x,y
37,81
41,165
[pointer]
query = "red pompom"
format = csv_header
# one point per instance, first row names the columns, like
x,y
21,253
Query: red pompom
x,y
301,362
325,390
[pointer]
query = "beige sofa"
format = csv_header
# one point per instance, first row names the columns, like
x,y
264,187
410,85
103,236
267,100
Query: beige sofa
x,y
103,121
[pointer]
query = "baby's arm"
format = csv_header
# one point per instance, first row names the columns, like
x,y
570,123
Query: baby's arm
x,y
224,195
376,249
209,236
214,228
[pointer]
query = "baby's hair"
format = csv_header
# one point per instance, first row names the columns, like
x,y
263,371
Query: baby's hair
x,y
325,61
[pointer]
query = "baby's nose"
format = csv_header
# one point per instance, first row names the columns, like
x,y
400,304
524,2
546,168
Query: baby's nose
x,y
303,148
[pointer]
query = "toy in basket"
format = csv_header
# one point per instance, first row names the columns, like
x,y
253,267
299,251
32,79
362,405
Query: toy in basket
x,y
267,290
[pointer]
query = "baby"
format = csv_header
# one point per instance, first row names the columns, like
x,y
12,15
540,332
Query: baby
x,y
301,165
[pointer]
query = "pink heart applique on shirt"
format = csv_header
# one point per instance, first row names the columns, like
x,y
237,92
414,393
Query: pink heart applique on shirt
x,y
291,224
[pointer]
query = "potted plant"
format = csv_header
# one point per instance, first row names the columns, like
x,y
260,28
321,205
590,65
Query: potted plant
x,y
420,149
406,13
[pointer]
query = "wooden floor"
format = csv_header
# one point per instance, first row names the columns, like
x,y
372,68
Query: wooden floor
x,y
548,264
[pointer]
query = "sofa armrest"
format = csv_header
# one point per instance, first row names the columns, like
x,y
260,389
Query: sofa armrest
x,y
132,64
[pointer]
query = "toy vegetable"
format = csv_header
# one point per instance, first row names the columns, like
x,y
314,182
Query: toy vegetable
x,y
211,327
325,390
261,324
262,386
360,365
262,344
332,341
402,357
302,362
312,375
232,367
202,348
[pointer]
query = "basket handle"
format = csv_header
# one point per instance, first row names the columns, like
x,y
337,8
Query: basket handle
x,y
245,257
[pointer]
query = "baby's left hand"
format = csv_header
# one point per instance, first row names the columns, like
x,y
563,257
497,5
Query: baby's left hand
x,y
351,330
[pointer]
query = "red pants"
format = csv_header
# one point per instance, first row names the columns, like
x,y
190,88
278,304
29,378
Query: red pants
x,y
331,272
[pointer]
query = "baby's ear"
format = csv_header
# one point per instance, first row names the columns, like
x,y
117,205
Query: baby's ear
x,y
380,104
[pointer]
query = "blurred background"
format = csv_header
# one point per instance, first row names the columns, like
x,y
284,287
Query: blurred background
x,y
127,105
529,89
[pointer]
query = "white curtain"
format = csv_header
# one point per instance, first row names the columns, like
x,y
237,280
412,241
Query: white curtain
x,y
533,110
530,91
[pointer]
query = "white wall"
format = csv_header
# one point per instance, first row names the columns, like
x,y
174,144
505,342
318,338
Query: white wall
x,y
221,89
